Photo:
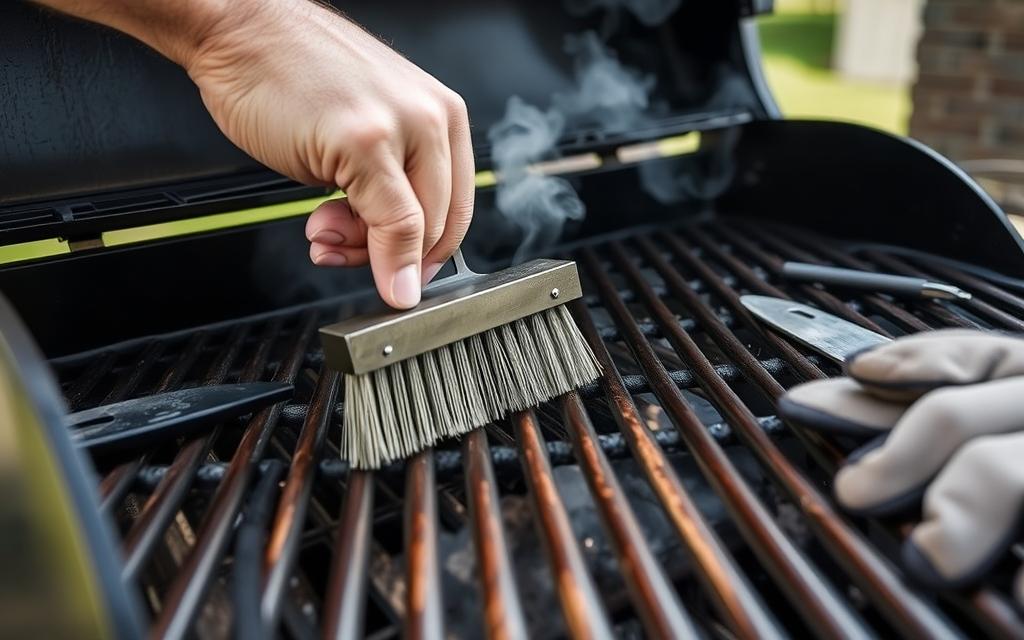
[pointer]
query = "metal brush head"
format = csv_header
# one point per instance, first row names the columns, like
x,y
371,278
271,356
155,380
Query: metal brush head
x,y
452,309
477,347
394,412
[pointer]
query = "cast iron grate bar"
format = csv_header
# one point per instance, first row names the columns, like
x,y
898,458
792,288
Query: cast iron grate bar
x,y
184,596
502,608
215,541
729,591
818,603
581,604
907,612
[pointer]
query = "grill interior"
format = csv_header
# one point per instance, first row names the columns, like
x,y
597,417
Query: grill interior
x,y
666,498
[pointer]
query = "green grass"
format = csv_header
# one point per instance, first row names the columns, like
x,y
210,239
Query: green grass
x,y
797,60
803,39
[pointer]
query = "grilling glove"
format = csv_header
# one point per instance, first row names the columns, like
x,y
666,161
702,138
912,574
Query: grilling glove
x,y
944,412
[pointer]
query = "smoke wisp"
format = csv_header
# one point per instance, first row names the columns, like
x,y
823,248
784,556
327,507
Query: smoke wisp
x,y
605,95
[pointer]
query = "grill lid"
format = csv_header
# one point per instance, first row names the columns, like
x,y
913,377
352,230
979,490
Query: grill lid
x,y
102,133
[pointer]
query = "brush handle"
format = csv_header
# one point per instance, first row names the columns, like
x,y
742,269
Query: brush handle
x,y
461,269
462,272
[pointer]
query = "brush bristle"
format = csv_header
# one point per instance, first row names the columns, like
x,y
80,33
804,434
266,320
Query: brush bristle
x,y
406,407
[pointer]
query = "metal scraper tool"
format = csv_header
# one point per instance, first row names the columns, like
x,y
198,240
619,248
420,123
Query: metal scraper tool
x,y
164,416
833,337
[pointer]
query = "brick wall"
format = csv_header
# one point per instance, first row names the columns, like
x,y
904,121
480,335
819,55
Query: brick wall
x,y
969,94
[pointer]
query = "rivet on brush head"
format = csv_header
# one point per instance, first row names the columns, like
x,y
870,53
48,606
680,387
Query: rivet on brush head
x,y
554,292
388,349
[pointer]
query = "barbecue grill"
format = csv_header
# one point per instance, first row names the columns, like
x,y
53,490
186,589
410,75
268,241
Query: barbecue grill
x,y
665,500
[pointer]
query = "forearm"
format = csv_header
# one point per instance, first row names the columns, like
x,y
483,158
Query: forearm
x,y
175,28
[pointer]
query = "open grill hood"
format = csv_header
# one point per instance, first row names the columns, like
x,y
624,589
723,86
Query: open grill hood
x,y
102,133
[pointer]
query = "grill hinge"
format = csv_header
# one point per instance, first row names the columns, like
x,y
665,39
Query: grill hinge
x,y
84,244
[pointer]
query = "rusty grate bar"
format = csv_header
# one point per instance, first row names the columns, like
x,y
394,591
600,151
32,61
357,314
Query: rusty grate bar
x,y
185,594
792,252
773,264
771,388
581,605
731,594
424,618
653,596
822,609
161,506
800,363
247,578
503,611
346,592
286,530
904,609
115,485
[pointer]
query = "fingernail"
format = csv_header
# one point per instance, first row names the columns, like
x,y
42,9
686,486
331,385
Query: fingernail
x,y
430,271
405,287
326,236
330,259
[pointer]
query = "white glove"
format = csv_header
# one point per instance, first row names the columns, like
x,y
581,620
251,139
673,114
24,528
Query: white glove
x,y
946,410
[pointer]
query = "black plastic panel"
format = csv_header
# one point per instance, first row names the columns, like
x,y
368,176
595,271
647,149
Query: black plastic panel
x,y
85,109
90,215
855,182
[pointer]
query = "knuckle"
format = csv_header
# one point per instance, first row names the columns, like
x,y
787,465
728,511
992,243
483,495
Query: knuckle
x,y
371,133
456,105
431,114
404,225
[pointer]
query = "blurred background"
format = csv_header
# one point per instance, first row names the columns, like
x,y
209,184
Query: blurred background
x,y
947,72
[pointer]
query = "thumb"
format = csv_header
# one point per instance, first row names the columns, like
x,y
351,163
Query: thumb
x,y
394,239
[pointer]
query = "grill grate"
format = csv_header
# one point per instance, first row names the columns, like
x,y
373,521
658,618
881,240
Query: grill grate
x,y
665,500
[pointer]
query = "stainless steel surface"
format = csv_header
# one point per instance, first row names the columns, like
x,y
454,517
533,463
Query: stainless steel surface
x,y
872,281
452,309
825,333
943,291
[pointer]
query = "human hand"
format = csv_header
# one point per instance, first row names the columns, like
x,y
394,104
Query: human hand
x,y
946,410
315,97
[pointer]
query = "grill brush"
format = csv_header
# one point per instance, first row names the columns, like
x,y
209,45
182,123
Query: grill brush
x,y
477,347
